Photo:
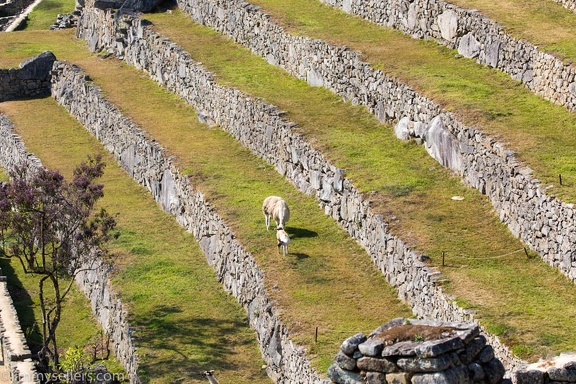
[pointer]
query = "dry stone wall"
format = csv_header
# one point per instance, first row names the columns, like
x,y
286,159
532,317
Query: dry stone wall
x,y
94,281
12,151
557,370
150,166
262,128
410,351
474,36
541,221
16,356
32,79
417,352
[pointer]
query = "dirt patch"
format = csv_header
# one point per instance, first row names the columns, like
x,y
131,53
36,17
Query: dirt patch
x,y
408,332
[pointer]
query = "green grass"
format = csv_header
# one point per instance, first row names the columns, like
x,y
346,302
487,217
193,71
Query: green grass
x,y
78,328
22,45
46,13
509,294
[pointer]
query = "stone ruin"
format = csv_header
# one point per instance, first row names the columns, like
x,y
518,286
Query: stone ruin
x,y
411,351
408,351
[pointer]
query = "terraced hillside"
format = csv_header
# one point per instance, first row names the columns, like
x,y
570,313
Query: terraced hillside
x,y
317,229
171,291
487,268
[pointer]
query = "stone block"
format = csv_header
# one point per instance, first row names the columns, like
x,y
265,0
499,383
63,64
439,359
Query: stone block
x,y
494,371
38,67
376,365
375,378
341,376
344,361
486,355
457,375
399,378
351,344
562,374
438,347
371,347
417,364
529,376
472,349
403,348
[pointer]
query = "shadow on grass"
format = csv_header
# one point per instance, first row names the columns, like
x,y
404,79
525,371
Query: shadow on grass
x,y
179,346
301,233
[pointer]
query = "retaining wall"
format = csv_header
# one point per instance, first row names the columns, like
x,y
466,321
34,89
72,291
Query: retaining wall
x,y
261,128
10,10
18,364
474,36
109,311
542,222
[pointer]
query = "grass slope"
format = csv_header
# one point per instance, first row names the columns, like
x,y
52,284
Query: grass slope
x,y
184,322
309,287
410,190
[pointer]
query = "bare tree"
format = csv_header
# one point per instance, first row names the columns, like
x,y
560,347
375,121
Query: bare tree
x,y
52,228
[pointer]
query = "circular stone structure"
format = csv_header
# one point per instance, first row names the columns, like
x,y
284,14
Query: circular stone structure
x,y
413,351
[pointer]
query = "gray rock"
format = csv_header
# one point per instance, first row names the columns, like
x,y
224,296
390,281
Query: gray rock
x,y
371,347
108,4
469,46
435,348
418,364
448,23
472,350
457,375
375,378
401,129
476,372
351,344
341,376
141,5
403,348
494,371
399,378
344,361
532,376
377,365
486,355
562,374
